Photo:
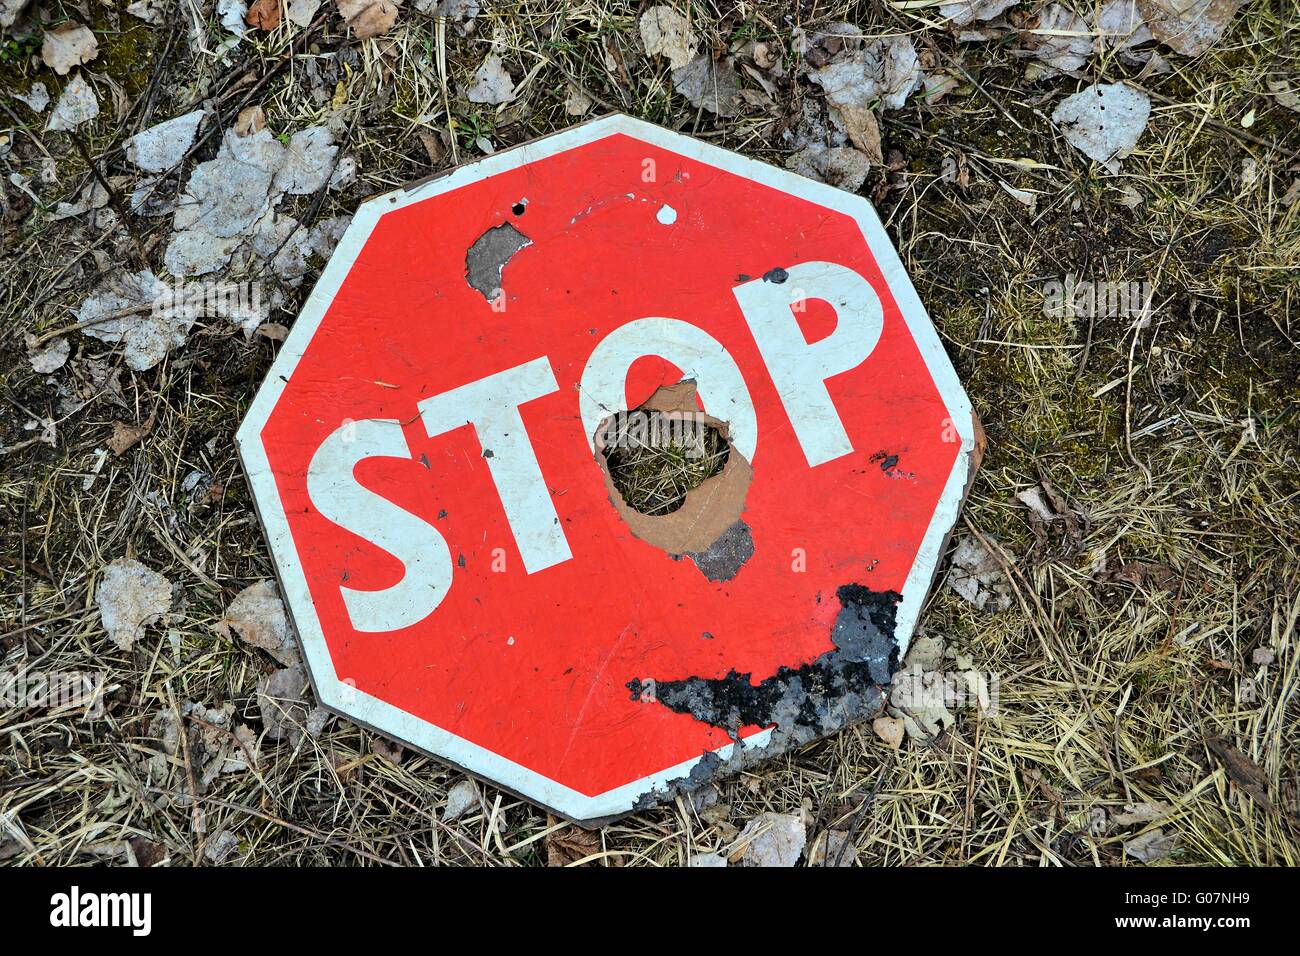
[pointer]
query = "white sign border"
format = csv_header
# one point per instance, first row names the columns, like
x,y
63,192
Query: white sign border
x,y
339,697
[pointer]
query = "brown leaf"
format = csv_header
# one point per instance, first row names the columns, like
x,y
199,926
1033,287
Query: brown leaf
x,y
433,147
369,18
145,852
263,15
125,436
570,844
1142,573
273,331
249,121
1243,771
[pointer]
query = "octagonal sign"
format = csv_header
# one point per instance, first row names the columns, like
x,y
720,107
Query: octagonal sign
x,y
440,456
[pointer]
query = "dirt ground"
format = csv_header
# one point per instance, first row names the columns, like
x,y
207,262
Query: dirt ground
x,y
1147,653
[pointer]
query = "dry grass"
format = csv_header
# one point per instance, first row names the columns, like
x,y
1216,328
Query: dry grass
x,y
1175,442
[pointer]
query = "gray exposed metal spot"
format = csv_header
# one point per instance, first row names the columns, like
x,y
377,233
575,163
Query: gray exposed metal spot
x,y
808,701
723,559
488,256
800,704
777,275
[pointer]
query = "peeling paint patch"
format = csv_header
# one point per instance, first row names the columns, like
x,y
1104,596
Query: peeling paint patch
x,y
806,702
666,215
723,559
488,256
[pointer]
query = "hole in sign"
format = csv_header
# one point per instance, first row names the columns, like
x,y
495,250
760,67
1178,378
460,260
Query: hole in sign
x,y
656,458
688,506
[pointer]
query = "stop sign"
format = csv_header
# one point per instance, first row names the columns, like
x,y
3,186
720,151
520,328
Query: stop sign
x,y
429,456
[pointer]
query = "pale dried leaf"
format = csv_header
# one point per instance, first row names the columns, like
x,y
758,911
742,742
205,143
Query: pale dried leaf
x,y
283,699
47,357
301,12
834,848
121,309
68,45
709,84
1286,93
462,796
976,576
665,32
150,11
770,839
1104,121
159,148
840,166
1121,25
1189,27
890,730
1070,42
130,596
577,103
308,161
1151,846
36,99
963,12
1134,813
258,616
78,104
492,83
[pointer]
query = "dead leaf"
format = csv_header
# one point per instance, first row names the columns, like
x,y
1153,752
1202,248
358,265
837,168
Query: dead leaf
x,y
1134,813
977,576
569,844
121,309
161,147
258,616
963,12
1189,27
890,730
833,848
68,45
709,84
283,698
130,597
125,436
36,99
1142,574
250,120
1104,121
433,147
272,331
770,839
492,83
263,15
665,32
369,18
77,104
1063,40
1151,846
1287,94
1244,772
47,357
462,796
577,103
840,166
301,12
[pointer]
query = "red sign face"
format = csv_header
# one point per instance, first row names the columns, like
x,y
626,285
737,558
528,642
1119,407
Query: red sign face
x,y
461,575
